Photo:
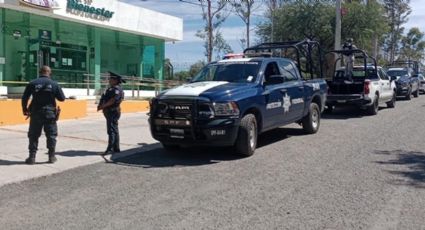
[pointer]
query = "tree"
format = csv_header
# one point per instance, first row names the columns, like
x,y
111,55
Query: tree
x,y
297,20
196,67
412,45
366,24
243,9
213,16
397,12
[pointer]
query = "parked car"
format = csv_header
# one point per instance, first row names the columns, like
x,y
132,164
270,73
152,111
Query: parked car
x,y
365,86
231,102
406,81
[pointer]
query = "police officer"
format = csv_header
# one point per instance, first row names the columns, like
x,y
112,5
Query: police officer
x,y
42,112
110,105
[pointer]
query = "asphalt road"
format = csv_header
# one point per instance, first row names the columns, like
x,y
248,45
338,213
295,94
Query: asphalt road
x,y
357,172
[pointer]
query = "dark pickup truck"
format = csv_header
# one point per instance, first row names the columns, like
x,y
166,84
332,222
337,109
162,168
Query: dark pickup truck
x,y
231,102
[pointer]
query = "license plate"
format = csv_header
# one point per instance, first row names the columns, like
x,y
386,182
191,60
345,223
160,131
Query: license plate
x,y
177,131
341,101
172,122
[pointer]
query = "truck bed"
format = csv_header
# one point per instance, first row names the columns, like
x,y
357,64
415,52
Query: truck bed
x,y
344,87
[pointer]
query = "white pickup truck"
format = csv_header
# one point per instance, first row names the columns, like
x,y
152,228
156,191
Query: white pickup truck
x,y
365,89
363,84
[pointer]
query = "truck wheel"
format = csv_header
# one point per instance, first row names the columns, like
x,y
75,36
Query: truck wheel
x,y
373,109
246,141
170,147
311,122
416,93
391,104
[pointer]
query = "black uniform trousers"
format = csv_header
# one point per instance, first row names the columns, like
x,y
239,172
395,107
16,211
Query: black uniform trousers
x,y
39,120
112,116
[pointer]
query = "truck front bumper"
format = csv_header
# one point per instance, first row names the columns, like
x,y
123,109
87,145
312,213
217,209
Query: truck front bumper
x,y
217,132
352,99
402,91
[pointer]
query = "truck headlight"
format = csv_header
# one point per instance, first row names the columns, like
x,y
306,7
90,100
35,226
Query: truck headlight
x,y
226,109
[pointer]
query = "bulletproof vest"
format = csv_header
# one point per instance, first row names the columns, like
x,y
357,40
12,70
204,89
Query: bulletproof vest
x,y
43,95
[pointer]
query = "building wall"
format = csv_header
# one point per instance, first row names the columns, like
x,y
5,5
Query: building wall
x,y
73,49
126,18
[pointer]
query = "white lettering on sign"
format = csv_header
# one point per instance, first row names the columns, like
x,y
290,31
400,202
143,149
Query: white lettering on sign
x,y
297,101
316,86
274,105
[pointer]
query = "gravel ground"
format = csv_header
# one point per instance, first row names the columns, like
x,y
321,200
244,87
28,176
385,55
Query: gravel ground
x,y
357,172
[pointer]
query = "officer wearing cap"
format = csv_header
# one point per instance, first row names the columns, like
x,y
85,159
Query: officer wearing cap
x,y
42,112
110,105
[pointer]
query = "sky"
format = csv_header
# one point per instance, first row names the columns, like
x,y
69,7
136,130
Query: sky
x,y
184,53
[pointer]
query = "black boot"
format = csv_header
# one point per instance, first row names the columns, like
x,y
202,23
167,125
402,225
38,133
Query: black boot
x,y
107,152
52,158
31,159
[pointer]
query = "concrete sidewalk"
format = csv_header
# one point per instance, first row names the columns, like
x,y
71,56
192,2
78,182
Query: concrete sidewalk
x,y
79,143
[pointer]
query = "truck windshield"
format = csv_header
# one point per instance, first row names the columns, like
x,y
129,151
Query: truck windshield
x,y
240,72
397,73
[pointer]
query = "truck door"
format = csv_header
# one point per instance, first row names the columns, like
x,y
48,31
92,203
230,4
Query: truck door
x,y
293,92
385,84
273,94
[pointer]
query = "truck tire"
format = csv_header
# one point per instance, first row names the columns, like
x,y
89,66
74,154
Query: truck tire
x,y
416,93
246,142
311,122
373,109
391,104
170,147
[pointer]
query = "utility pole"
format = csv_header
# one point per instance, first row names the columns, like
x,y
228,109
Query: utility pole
x,y
338,25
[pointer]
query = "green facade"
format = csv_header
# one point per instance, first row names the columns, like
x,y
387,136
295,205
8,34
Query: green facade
x,y
72,50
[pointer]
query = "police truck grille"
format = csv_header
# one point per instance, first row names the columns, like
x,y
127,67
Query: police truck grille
x,y
174,110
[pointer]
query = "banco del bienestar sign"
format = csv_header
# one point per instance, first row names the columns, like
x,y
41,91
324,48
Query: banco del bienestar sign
x,y
77,7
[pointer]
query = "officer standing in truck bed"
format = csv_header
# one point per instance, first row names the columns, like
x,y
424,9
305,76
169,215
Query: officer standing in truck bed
x,y
110,105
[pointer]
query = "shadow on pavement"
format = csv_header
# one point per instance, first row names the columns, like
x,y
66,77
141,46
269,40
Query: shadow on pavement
x,y
195,156
183,157
344,113
415,163
7,162
277,135
77,153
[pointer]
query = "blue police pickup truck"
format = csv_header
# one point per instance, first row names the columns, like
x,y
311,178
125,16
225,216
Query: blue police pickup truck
x,y
230,102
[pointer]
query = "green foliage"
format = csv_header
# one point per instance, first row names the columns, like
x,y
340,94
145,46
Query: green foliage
x,y
397,12
364,23
297,20
413,45
193,70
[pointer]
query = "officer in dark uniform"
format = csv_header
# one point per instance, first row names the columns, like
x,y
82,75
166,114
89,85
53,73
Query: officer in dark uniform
x,y
42,112
110,105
